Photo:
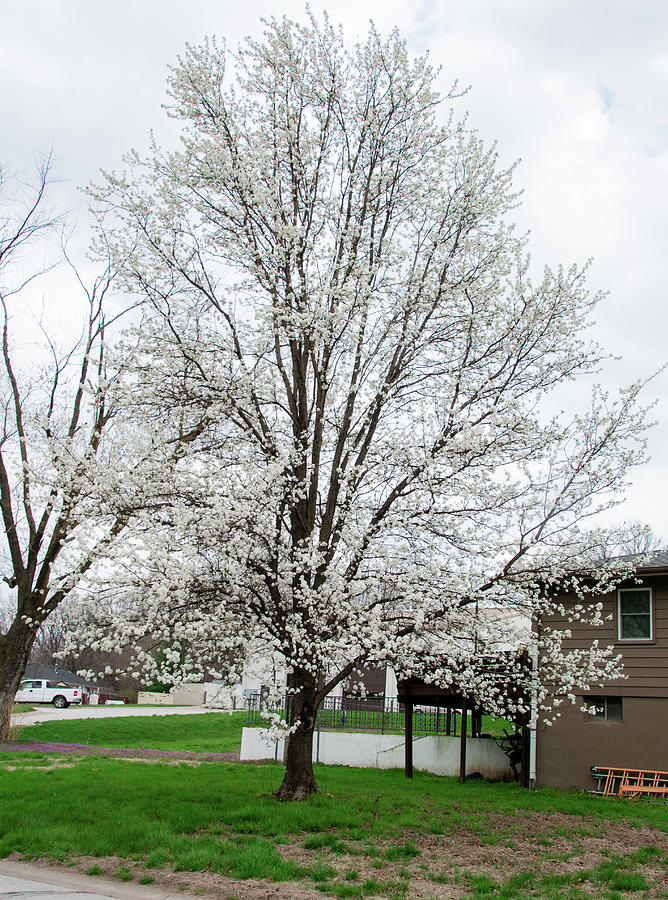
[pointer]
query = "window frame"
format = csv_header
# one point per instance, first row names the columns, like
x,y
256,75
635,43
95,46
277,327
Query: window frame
x,y
603,701
620,616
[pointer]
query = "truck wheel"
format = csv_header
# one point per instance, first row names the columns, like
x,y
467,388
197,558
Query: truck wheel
x,y
60,702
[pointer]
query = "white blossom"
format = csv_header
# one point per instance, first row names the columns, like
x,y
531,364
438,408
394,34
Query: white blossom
x,y
338,384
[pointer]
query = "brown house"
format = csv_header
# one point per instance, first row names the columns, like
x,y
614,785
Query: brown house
x,y
630,727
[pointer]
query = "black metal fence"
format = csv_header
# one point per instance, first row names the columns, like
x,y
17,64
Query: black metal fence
x,y
386,716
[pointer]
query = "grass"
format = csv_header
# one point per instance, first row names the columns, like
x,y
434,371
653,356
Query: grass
x,y
612,880
22,708
369,834
222,818
205,733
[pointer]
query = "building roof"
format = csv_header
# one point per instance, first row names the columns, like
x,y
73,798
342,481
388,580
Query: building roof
x,y
646,561
56,673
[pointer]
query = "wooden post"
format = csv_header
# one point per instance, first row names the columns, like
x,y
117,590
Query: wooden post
x,y
448,721
462,746
408,734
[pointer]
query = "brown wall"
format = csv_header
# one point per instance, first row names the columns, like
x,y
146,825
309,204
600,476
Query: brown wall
x,y
645,662
373,679
567,749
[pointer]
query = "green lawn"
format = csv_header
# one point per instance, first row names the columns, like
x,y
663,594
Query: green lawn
x,y
370,833
204,733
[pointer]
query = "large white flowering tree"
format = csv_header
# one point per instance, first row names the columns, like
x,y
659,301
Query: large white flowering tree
x,y
54,415
343,368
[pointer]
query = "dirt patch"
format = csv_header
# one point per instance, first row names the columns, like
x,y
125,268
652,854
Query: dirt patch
x,y
163,762
540,845
69,762
536,845
52,763
117,752
443,867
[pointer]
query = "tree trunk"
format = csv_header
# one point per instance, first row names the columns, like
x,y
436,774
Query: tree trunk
x,y
299,781
15,647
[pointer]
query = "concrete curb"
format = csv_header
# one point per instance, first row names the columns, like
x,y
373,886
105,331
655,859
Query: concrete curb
x,y
79,884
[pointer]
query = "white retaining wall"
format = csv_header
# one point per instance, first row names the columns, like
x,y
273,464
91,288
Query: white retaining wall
x,y
155,698
438,754
188,694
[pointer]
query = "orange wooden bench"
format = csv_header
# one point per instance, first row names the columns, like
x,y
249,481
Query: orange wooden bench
x,y
622,782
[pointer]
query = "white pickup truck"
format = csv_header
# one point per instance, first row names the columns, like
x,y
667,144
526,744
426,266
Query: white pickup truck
x,y
36,690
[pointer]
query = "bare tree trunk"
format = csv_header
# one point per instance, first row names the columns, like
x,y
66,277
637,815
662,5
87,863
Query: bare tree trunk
x,y
15,647
299,781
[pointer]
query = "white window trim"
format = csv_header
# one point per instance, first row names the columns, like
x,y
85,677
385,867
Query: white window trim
x,y
634,640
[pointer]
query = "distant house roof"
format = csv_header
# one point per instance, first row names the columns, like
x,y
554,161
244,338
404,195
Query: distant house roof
x,y
646,561
56,673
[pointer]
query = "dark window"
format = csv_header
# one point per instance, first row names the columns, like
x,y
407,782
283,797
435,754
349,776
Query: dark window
x,y
635,614
609,708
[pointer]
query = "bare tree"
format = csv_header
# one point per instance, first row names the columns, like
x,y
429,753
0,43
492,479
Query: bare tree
x,y
632,538
54,411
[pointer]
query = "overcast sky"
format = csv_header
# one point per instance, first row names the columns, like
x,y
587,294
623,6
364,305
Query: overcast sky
x,y
576,89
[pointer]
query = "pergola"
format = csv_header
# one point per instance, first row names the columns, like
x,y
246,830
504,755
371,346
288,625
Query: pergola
x,y
416,692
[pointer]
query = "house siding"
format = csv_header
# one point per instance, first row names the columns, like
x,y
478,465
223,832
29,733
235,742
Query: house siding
x,y
577,741
566,750
372,677
645,662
